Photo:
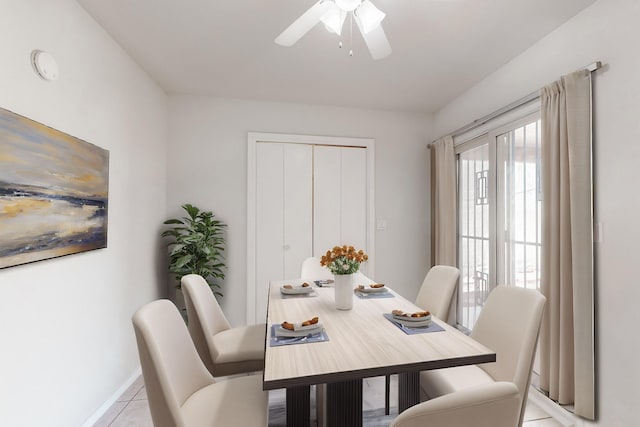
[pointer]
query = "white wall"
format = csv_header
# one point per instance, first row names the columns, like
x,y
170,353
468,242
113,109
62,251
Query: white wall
x,y
208,167
607,31
66,338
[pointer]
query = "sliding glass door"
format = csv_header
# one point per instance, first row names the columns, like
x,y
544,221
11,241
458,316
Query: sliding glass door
x,y
520,194
499,207
474,242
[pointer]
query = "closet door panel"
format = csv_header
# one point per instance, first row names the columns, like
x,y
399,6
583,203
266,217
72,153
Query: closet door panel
x,y
269,221
353,199
298,207
326,205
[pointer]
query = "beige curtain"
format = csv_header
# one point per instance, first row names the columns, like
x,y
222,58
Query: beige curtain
x,y
444,195
567,335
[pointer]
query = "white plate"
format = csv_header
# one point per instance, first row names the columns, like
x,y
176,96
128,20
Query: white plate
x,y
296,290
412,319
367,289
303,331
413,323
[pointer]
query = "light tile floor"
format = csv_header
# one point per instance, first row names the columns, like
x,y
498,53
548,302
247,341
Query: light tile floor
x,y
132,409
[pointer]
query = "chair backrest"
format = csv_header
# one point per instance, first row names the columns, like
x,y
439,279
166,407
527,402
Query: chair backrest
x,y
204,315
171,368
509,324
312,270
437,290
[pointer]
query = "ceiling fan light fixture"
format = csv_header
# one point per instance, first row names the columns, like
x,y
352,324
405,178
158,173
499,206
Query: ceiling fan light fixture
x,y
348,5
370,16
333,13
334,19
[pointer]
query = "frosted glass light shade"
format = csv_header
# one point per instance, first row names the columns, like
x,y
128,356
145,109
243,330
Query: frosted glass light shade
x,y
370,16
334,19
348,5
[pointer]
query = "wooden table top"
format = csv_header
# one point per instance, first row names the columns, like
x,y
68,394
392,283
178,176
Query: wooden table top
x,y
362,343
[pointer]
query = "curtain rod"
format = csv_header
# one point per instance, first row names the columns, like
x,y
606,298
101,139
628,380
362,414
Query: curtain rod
x,y
522,101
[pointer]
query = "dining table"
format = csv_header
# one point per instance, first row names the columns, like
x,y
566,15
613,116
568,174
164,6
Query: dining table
x,y
353,345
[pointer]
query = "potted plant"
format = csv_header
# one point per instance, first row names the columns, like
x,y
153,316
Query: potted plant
x,y
344,262
196,246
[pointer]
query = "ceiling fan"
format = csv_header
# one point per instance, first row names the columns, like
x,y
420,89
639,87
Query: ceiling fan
x,y
333,14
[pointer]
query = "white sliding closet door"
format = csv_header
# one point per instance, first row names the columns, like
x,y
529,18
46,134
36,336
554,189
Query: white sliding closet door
x,y
284,214
298,207
340,198
326,213
305,195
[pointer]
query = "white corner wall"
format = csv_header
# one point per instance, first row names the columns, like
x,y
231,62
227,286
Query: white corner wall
x,y
67,344
208,167
607,31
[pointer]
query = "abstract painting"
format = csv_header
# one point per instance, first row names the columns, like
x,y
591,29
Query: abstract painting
x,y
53,192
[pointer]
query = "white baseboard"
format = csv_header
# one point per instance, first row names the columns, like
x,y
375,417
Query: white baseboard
x,y
561,415
114,397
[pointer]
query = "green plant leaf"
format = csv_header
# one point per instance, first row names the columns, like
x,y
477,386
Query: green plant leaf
x,y
177,250
191,210
173,221
183,260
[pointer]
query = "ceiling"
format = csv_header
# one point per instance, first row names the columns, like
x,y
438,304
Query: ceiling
x,y
226,49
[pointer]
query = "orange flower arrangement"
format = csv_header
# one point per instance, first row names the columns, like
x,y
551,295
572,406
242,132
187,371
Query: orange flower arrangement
x,y
343,259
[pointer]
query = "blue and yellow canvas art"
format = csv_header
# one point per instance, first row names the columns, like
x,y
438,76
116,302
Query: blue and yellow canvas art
x,y
53,192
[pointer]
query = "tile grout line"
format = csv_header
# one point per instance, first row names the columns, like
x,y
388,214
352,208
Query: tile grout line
x,y
125,406
533,420
118,414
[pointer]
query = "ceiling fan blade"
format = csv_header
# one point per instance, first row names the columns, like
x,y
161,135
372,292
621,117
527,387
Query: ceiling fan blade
x,y
302,25
376,41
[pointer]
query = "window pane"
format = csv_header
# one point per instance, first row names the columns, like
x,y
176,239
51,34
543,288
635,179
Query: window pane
x,y
522,206
474,233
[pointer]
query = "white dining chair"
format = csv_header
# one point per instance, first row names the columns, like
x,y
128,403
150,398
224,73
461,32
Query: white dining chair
x,y
311,270
491,394
223,349
435,294
180,390
437,290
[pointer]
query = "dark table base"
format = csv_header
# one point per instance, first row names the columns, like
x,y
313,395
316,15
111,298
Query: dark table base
x,y
343,401
408,390
299,406
344,404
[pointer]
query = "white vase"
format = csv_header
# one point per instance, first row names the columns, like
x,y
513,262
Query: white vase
x,y
343,287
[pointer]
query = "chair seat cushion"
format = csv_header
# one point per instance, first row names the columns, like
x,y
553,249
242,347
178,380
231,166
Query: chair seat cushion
x,y
489,405
439,382
239,349
235,402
